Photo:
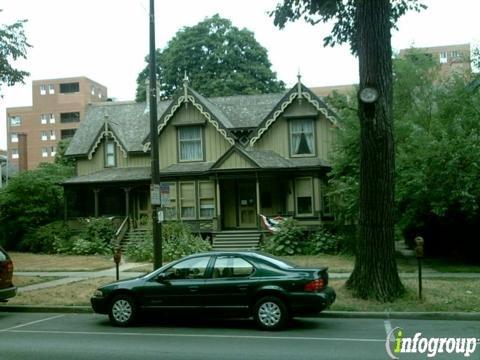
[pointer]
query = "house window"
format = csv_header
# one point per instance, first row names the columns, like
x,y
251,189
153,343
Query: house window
x,y
110,154
43,89
187,200
14,153
14,137
304,196
302,137
69,88
171,208
70,117
190,143
67,133
53,151
15,121
44,136
51,118
52,135
51,89
326,201
206,199
443,57
44,152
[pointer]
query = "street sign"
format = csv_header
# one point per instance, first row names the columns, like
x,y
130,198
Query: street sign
x,y
155,194
164,194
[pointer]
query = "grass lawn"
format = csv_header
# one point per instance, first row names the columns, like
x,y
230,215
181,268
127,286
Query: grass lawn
x,y
77,293
42,262
438,295
20,281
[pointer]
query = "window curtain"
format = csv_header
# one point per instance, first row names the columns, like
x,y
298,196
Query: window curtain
x,y
191,143
302,136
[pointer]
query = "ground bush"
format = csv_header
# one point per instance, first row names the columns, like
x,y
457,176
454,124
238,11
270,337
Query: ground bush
x,y
45,238
291,239
323,241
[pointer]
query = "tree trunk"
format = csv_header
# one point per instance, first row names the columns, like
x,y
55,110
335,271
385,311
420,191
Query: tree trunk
x,y
375,273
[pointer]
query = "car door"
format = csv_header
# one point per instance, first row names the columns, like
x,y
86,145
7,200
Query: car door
x,y
230,283
177,286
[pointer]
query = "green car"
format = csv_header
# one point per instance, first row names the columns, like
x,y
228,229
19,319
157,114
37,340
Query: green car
x,y
236,283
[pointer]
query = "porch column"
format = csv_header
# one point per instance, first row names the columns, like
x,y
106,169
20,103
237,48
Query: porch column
x,y
218,207
95,194
127,200
257,190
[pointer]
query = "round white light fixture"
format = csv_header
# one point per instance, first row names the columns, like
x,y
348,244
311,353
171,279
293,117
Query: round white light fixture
x,y
368,95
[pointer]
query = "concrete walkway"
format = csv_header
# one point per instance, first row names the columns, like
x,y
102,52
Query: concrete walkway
x,y
67,277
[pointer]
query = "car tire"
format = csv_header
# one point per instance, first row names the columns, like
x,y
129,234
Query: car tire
x,y
123,310
270,313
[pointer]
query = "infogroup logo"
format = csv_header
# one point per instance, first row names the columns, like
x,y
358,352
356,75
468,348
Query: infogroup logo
x,y
430,346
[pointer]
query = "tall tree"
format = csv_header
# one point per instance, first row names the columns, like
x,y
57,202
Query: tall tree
x,y
219,59
366,25
13,45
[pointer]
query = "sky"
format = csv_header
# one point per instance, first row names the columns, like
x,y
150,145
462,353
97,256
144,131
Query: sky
x,y
107,40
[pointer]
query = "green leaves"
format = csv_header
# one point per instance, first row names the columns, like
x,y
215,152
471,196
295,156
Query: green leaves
x,y
219,59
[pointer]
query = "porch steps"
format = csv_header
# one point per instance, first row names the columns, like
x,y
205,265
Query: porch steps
x,y
135,236
236,240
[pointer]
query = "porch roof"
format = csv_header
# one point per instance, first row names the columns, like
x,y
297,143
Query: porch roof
x,y
112,175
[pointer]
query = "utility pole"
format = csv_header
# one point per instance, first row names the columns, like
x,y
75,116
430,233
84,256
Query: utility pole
x,y
157,226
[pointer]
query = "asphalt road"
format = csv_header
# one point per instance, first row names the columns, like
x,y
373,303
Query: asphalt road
x,y
87,336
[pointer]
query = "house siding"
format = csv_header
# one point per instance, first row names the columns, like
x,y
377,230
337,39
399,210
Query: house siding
x,y
236,161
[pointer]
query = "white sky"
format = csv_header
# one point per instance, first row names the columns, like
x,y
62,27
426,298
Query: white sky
x,y
107,40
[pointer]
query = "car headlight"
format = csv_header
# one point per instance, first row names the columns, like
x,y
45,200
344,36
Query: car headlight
x,y
97,294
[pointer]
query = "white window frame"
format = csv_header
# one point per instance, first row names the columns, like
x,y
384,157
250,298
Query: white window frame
x,y
14,137
110,153
43,89
51,119
43,119
44,152
298,179
53,151
14,153
292,133
210,199
15,120
51,89
92,91
44,136
179,142
443,57
53,135
182,199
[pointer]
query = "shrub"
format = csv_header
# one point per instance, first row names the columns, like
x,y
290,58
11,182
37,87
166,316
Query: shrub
x,y
93,246
45,238
289,240
177,240
324,242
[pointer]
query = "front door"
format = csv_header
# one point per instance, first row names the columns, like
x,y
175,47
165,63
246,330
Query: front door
x,y
247,205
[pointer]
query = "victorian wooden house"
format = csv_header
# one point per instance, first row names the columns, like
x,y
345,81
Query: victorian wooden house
x,y
226,160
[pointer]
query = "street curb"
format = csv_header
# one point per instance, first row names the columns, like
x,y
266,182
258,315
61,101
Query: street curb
x,y
326,314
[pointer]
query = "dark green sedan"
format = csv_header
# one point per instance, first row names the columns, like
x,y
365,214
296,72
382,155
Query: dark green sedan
x,y
241,283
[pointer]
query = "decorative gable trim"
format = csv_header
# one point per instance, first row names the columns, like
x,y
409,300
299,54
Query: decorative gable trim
x,y
202,108
237,150
106,133
299,92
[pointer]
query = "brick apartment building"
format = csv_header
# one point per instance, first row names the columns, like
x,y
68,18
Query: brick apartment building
x,y
58,105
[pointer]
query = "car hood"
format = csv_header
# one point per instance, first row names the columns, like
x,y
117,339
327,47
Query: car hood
x,y
123,284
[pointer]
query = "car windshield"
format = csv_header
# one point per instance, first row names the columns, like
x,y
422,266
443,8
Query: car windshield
x,y
276,261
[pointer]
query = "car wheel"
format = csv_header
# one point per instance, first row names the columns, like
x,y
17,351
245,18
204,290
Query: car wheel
x,y
270,313
123,310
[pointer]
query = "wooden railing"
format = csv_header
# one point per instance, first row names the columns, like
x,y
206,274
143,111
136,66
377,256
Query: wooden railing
x,y
121,231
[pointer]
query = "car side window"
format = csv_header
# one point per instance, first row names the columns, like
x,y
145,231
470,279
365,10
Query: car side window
x,y
193,268
231,267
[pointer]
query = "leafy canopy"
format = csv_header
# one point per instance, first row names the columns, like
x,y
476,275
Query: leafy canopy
x,y
342,12
219,59
13,46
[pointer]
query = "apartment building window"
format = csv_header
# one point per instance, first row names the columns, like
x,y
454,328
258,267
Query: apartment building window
x,y
53,151
187,200
51,89
302,137
110,154
443,57
14,153
14,137
70,117
190,143
206,198
44,136
304,196
52,135
454,54
44,152
171,208
43,119
15,121
67,88
51,118
67,133
43,89
93,90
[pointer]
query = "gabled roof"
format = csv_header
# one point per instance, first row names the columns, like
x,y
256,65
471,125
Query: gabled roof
x,y
109,175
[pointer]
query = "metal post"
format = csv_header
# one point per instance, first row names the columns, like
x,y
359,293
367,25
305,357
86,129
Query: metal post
x,y
157,226
419,278
419,252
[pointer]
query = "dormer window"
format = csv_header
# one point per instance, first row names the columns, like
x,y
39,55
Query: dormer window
x,y
190,143
110,154
302,137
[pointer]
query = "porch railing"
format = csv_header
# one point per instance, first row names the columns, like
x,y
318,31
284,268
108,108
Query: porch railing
x,y
121,231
